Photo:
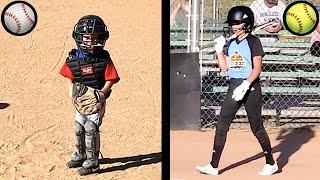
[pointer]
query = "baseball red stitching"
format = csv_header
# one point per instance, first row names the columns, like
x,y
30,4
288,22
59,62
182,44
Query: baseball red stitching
x,y
306,10
26,13
298,19
18,23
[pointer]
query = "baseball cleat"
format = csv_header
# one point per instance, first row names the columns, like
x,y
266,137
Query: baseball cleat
x,y
208,169
74,164
86,171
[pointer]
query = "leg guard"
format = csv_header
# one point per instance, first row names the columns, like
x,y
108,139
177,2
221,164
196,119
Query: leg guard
x,y
80,143
92,139
79,155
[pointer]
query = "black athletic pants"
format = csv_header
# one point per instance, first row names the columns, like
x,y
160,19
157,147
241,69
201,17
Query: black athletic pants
x,y
252,102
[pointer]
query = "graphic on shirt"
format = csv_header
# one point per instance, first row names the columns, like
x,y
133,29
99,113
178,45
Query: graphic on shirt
x,y
268,16
86,70
237,62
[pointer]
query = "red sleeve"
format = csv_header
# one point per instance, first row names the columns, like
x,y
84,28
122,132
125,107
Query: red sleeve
x,y
111,73
66,72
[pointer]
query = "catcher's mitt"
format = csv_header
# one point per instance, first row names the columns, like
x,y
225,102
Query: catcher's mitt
x,y
86,99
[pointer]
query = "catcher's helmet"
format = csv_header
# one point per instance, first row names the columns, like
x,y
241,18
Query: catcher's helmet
x,y
241,14
90,33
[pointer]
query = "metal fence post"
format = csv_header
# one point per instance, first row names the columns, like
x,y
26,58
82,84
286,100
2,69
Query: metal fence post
x,y
195,25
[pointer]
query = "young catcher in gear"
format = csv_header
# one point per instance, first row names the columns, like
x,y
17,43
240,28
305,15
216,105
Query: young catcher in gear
x,y
241,57
90,74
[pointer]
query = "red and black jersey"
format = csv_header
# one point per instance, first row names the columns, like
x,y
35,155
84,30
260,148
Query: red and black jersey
x,y
91,71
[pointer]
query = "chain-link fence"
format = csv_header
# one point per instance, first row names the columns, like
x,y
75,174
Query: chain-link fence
x,y
291,69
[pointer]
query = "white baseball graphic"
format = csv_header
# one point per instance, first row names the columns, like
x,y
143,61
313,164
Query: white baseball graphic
x,y
19,18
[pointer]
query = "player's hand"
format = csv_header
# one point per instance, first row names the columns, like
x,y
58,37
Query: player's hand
x,y
220,42
275,28
241,90
240,32
100,95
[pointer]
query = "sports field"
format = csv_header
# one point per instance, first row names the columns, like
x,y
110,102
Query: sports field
x,y
36,115
296,150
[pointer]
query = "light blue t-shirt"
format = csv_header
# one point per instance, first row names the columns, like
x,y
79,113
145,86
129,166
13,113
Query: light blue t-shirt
x,y
240,56
239,59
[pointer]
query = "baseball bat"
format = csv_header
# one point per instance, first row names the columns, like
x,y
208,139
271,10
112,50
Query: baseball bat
x,y
255,29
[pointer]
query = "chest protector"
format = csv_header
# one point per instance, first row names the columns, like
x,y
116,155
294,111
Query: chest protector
x,y
89,70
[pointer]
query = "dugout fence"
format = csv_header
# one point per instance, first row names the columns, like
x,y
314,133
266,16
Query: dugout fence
x,y
290,78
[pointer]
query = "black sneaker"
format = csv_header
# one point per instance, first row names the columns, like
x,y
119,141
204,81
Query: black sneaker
x,y
75,164
85,171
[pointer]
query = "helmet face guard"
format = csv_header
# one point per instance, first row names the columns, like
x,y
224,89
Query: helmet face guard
x,y
90,34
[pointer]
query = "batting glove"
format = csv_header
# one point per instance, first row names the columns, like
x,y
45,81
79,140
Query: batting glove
x,y
220,42
241,90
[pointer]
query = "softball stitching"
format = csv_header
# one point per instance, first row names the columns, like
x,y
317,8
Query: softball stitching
x,y
298,19
306,10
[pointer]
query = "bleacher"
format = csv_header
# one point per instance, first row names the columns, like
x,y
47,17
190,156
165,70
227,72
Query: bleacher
x,y
289,73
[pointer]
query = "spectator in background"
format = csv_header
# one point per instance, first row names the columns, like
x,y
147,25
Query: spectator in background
x,y
266,10
175,6
315,42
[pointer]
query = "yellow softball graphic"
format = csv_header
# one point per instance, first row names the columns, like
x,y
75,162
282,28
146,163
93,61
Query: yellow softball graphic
x,y
300,18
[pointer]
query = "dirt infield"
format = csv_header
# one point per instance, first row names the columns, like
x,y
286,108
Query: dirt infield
x,y
36,132
296,150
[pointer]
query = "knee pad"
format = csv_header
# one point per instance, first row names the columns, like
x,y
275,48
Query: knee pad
x,y
78,128
91,128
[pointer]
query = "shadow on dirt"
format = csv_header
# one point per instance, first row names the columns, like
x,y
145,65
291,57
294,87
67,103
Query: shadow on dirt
x,y
3,105
291,141
132,161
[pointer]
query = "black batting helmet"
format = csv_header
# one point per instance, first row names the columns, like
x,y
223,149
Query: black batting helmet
x,y
90,33
241,14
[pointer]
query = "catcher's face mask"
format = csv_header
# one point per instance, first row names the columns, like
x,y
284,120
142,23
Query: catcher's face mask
x,y
91,43
90,34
